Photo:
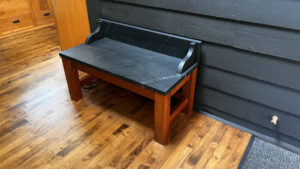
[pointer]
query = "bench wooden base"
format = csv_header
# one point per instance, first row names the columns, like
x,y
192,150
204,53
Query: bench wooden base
x,y
163,112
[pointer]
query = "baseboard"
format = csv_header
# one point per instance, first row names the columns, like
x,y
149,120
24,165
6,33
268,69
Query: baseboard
x,y
262,135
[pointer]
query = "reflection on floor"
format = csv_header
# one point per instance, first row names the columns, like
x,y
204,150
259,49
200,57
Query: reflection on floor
x,y
110,128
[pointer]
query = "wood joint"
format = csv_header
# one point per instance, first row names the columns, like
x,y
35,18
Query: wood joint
x,y
178,108
86,80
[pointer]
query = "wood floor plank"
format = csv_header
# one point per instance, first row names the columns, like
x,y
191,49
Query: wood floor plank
x,y
40,127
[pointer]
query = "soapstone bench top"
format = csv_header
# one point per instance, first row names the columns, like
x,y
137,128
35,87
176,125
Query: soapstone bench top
x,y
150,69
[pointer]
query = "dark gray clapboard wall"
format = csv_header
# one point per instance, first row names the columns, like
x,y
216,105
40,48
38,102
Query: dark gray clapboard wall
x,y
250,66
93,8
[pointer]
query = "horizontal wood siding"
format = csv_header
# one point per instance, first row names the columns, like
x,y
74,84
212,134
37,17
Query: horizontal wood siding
x,y
248,111
281,13
251,89
266,40
266,68
93,8
250,65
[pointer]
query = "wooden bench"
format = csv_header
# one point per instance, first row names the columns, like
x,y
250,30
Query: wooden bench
x,y
156,65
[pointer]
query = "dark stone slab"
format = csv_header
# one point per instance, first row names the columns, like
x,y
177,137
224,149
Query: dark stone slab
x,y
153,60
145,68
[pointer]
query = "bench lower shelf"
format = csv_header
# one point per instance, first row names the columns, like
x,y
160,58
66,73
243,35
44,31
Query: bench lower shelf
x,y
163,112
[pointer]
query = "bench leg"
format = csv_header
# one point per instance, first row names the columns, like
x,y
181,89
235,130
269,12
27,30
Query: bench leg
x,y
73,81
188,91
161,118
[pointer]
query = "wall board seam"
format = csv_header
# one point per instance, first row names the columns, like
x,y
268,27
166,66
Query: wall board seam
x,y
265,137
231,27
250,101
286,60
207,16
252,78
281,134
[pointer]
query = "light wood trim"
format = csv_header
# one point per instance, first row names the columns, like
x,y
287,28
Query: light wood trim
x,y
32,12
41,19
19,9
39,5
72,22
13,8
7,26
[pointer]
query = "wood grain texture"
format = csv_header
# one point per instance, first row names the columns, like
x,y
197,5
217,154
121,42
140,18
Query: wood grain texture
x,y
39,5
72,22
17,16
110,128
44,17
116,81
11,8
72,77
7,26
162,106
189,91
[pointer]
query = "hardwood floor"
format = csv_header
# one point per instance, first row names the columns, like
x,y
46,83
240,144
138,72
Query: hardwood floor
x,y
110,128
